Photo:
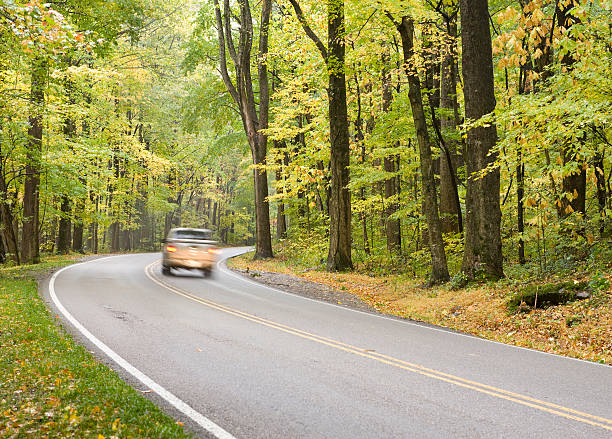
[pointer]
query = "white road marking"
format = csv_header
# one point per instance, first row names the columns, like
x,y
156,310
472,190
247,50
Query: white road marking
x,y
224,269
174,401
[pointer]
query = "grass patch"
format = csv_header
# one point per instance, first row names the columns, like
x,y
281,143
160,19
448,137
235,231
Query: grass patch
x,y
52,387
579,329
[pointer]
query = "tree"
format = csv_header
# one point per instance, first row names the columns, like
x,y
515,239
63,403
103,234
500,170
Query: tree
x,y
439,268
243,94
339,255
483,247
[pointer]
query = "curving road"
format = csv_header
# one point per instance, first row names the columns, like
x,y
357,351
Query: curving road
x,y
233,358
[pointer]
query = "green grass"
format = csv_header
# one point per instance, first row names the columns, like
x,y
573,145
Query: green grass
x,y
52,387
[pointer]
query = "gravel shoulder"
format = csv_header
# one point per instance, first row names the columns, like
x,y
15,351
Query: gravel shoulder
x,y
302,287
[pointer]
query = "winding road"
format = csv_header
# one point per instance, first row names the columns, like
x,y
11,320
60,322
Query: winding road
x,y
235,359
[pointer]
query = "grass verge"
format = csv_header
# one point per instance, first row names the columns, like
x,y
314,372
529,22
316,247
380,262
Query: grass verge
x,y
581,329
52,387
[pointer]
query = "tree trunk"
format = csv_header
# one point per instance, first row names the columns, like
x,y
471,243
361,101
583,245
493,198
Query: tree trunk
x,y
392,226
439,268
263,237
242,93
281,219
520,193
30,242
77,236
9,237
483,248
600,178
339,256
7,221
115,232
65,227
339,199
450,210
573,185
573,198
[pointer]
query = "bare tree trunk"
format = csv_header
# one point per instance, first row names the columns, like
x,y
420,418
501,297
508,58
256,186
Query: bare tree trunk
x,y
30,242
483,248
439,268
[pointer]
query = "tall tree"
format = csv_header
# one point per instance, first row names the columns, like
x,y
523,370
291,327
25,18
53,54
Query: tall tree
x,y
30,242
483,247
439,268
392,225
450,209
243,94
339,256
574,181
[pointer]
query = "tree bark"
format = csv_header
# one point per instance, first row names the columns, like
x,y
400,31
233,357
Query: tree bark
x,y
64,237
281,218
439,268
573,198
339,255
483,248
8,231
392,226
65,227
600,178
243,94
450,210
77,235
30,242
520,194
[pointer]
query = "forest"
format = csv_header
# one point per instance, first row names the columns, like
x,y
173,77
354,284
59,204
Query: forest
x,y
446,139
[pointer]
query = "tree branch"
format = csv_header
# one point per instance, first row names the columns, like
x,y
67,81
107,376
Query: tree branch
x,y
308,30
222,60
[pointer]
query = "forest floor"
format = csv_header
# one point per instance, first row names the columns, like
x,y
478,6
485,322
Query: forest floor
x,y
580,329
52,387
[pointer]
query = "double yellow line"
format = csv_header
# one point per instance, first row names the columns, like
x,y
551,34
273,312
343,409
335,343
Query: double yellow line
x,y
554,409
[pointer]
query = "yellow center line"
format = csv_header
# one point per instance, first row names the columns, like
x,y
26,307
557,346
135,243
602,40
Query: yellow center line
x,y
432,373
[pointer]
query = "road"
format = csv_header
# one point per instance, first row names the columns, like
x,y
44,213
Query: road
x,y
233,358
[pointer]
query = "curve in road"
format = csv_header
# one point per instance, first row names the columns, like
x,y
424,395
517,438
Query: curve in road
x,y
326,374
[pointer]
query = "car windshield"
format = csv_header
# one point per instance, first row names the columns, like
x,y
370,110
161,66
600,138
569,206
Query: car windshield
x,y
192,234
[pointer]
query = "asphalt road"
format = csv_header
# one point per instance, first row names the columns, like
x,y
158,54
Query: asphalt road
x,y
232,358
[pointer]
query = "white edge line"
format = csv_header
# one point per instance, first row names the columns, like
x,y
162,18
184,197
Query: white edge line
x,y
177,403
223,267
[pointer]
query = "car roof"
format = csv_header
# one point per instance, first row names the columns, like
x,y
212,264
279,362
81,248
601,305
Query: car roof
x,y
188,229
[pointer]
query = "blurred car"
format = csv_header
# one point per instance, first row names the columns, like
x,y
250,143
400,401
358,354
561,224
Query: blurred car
x,y
189,248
